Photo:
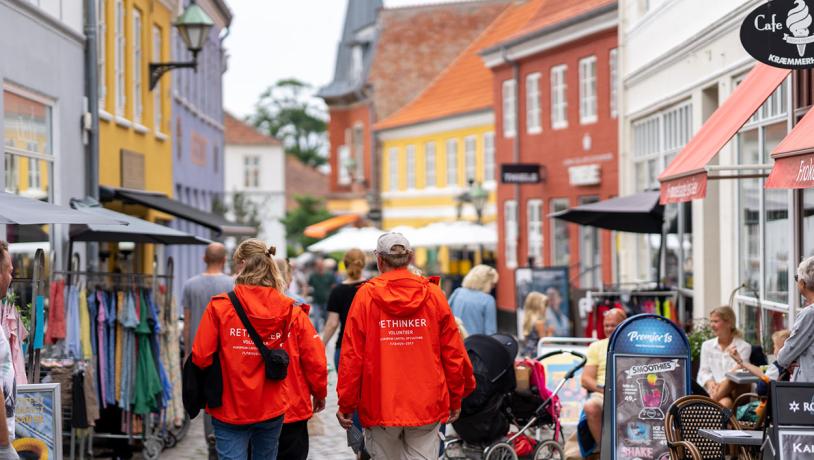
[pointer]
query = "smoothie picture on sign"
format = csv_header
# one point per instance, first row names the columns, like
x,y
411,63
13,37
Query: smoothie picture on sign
x,y
653,396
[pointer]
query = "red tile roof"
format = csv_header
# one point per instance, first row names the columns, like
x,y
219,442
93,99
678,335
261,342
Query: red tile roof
x,y
239,132
301,179
552,12
416,43
466,85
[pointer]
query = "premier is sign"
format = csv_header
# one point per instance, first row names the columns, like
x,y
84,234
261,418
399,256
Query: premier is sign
x,y
779,33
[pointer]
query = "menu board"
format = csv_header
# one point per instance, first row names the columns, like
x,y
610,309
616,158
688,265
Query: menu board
x,y
796,444
645,388
38,421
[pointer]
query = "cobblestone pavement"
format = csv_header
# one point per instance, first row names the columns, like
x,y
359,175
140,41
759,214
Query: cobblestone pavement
x,y
328,439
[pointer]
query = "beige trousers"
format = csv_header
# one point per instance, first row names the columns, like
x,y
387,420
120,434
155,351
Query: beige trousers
x,y
403,443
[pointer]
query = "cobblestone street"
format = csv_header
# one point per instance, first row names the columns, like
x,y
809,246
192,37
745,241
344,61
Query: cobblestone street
x,y
328,439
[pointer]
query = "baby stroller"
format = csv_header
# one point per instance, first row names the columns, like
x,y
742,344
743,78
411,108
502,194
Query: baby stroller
x,y
495,405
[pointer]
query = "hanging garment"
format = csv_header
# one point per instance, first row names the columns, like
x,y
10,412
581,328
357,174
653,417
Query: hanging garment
x,y
16,334
119,365
155,326
56,313
129,321
92,313
72,319
170,354
111,348
84,325
89,388
148,387
79,417
101,336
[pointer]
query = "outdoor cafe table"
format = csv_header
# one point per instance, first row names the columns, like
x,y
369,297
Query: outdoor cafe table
x,y
742,377
734,437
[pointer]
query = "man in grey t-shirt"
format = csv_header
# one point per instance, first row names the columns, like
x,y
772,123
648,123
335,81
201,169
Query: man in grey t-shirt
x,y
197,292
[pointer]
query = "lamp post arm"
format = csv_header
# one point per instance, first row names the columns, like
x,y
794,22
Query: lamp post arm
x,y
160,68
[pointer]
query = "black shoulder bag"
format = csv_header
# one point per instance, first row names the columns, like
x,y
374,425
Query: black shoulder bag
x,y
276,359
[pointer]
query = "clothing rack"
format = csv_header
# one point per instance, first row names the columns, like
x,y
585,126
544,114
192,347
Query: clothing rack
x,y
592,297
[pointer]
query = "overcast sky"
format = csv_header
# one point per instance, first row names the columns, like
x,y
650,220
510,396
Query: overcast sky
x,y
274,39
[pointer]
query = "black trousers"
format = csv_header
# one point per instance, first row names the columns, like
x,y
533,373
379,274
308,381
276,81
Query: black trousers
x,y
293,441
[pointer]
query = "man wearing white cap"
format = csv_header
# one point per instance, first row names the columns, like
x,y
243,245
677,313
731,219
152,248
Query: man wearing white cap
x,y
398,327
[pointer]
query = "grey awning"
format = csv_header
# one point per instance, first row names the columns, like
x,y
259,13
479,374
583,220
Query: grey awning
x,y
637,213
137,230
15,209
163,203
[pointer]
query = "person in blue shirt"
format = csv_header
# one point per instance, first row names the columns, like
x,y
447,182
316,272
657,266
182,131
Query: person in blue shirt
x,y
472,302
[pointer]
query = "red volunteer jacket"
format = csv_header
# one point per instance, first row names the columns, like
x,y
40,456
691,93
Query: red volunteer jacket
x,y
403,361
248,396
307,368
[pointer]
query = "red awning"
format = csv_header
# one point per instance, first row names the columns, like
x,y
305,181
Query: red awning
x,y
321,229
685,178
794,157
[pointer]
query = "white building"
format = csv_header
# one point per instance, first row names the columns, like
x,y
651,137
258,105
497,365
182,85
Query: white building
x,y
680,60
255,167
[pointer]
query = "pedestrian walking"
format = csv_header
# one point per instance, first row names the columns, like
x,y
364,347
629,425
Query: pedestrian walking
x,y
403,364
196,293
254,398
307,381
7,376
472,302
320,284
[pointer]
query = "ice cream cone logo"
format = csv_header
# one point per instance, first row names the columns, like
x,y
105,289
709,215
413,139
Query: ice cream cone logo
x,y
798,21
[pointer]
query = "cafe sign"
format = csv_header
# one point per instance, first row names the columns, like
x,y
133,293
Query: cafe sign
x,y
520,173
780,33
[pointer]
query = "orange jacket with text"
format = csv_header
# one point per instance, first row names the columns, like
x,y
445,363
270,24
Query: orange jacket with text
x,y
248,396
307,368
403,361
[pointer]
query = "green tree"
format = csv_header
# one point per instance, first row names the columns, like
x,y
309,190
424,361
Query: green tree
x,y
288,112
309,210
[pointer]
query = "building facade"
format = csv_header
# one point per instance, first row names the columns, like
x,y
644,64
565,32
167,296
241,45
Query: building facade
x,y
554,86
198,132
255,167
43,149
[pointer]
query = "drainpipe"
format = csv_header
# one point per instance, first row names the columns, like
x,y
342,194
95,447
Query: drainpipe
x,y
91,126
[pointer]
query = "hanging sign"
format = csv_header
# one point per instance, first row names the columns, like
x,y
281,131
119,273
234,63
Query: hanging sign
x,y
779,33
648,368
520,173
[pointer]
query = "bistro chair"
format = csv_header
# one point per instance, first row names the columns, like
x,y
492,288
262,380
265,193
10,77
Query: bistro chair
x,y
691,413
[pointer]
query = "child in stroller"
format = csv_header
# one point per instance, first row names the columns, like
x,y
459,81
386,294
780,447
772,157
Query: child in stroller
x,y
495,405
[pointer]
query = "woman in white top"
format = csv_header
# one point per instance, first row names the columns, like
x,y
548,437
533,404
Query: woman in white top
x,y
715,361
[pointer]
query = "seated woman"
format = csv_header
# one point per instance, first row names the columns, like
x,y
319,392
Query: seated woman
x,y
534,326
716,362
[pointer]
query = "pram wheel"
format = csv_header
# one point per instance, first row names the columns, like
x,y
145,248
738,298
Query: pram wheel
x,y
548,450
500,451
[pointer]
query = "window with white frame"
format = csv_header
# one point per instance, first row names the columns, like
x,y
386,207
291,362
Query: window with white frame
x,y
509,109
393,168
560,235
510,226
452,162
587,90
657,139
138,101
343,160
559,103
533,122
120,58
534,219
470,157
411,167
158,115
28,135
764,225
430,177
251,171
614,81
590,255
489,157
101,9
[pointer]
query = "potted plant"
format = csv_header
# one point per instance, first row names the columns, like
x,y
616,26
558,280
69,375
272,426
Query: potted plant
x,y
700,333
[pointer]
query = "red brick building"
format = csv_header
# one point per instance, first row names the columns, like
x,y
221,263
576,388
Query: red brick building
x,y
386,56
554,85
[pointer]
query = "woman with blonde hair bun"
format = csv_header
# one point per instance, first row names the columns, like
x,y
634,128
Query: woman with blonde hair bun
x,y
534,327
225,340
472,302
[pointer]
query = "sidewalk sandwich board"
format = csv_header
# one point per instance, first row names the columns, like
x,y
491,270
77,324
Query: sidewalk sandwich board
x,y
648,368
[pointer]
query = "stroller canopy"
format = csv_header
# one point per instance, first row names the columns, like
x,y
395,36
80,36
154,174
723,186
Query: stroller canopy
x,y
493,366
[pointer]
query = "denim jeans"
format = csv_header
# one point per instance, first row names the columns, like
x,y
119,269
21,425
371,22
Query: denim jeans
x,y
232,441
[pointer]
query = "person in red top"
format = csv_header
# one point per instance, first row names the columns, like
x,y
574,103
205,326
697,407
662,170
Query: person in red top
x,y
253,406
307,378
403,365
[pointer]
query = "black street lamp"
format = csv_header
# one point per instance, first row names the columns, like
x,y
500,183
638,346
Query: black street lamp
x,y
193,25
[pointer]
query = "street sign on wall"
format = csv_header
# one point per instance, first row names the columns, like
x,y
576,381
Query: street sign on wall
x,y
778,33
520,173
648,369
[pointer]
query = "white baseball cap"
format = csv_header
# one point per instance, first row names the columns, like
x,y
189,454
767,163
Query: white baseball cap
x,y
393,243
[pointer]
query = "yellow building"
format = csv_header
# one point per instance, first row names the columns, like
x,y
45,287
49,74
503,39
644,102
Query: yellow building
x,y
135,146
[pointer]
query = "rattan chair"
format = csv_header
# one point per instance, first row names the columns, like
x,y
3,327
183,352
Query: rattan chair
x,y
689,414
